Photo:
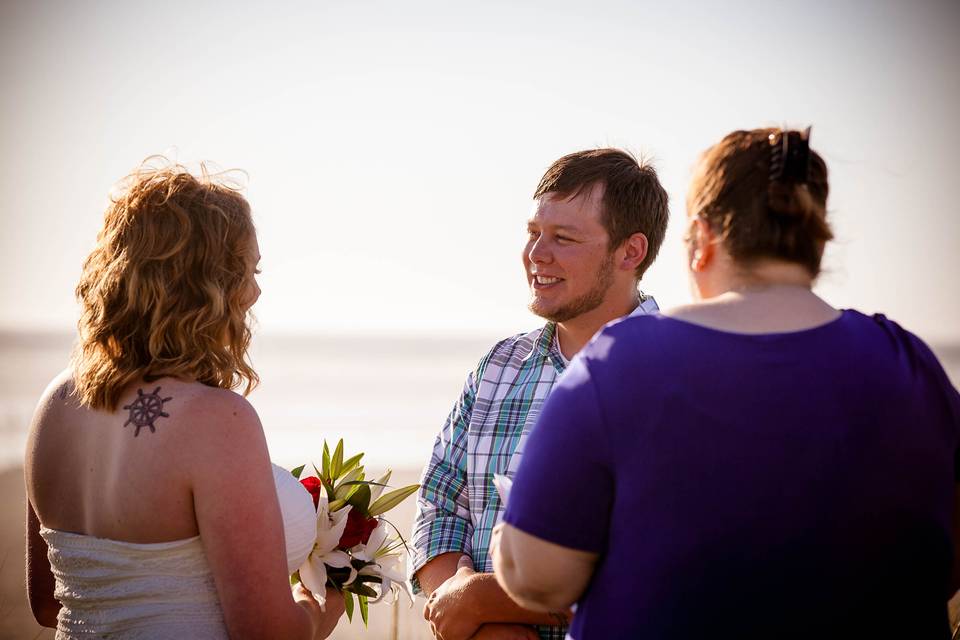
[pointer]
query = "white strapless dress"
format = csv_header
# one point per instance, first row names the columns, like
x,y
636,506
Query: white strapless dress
x,y
164,590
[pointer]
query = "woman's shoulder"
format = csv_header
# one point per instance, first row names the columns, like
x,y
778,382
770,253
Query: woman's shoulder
x,y
203,409
189,394
906,345
891,329
203,398
205,424
187,413
640,329
57,396
60,388
629,340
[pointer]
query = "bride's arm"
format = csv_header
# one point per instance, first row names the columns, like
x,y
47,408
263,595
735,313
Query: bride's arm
x,y
240,525
40,582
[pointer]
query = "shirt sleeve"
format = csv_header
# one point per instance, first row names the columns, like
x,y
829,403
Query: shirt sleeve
x,y
953,415
442,523
563,488
951,398
921,357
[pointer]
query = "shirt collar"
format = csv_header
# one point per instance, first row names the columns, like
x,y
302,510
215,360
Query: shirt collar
x,y
647,306
545,346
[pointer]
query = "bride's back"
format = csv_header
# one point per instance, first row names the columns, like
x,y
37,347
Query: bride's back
x,y
125,474
152,506
162,338
113,498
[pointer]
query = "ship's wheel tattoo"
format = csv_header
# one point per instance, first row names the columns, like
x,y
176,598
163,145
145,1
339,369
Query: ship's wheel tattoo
x,y
146,409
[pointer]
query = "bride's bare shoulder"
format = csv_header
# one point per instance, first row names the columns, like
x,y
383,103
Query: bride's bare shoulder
x,y
215,427
60,388
219,416
58,393
192,409
197,402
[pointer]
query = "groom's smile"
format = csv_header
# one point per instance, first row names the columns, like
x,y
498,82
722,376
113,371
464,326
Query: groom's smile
x,y
541,282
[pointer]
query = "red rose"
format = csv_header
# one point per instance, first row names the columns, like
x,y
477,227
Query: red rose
x,y
315,487
358,529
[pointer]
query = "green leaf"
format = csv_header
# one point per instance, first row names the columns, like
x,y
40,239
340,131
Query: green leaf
x,y
344,492
361,590
389,500
294,578
352,490
350,463
337,463
336,505
353,487
361,499
382,483
326,460
296,472
348,604
356,474
359,482
363,608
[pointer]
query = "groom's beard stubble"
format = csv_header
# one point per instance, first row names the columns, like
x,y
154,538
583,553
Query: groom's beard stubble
x,y
584,303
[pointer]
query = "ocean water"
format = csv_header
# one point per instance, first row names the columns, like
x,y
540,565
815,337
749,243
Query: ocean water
x,y
384,395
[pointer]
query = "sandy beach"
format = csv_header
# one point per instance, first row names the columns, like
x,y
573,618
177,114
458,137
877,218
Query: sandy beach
x,y
387,622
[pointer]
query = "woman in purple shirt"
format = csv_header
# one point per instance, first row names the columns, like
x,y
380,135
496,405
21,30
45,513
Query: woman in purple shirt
x,y
755,464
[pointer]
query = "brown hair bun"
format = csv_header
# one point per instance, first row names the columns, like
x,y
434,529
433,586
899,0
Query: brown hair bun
x,y
765,192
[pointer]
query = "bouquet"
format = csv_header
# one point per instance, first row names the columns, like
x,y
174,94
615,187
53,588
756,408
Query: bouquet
x,y
356,551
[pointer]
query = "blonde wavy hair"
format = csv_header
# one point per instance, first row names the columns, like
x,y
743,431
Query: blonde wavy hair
x,y
164,293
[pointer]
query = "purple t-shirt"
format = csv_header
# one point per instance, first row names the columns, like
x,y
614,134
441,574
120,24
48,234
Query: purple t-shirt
x,y
781,485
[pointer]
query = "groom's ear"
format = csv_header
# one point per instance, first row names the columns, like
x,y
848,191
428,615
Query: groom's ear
x,y
633,250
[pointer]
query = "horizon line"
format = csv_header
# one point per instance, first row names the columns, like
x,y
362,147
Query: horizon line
x,y
48,336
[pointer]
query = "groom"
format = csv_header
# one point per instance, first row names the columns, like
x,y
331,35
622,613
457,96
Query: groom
x,y
599,220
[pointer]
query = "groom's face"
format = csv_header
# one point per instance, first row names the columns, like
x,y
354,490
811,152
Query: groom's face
x,y
567,258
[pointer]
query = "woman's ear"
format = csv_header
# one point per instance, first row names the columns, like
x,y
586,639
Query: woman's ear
x,y
701,241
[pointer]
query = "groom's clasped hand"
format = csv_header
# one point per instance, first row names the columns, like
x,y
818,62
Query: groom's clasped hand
x,y
453,611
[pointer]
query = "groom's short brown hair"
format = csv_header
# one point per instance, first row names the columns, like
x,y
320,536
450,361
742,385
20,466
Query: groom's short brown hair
x,y
633,198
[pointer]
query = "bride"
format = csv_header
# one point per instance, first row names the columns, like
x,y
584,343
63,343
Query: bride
x,y
152,510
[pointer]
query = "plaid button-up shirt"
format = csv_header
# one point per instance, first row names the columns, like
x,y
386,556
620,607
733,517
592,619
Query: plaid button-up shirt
x,y
458,505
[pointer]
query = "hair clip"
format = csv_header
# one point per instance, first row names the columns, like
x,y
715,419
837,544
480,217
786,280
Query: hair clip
x,y
790,159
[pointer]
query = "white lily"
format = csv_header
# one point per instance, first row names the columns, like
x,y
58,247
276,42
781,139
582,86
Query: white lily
x,y
368,552
392,578
382,563
330,528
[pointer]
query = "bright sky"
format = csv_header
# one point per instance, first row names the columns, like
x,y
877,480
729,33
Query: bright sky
x,y
392,147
